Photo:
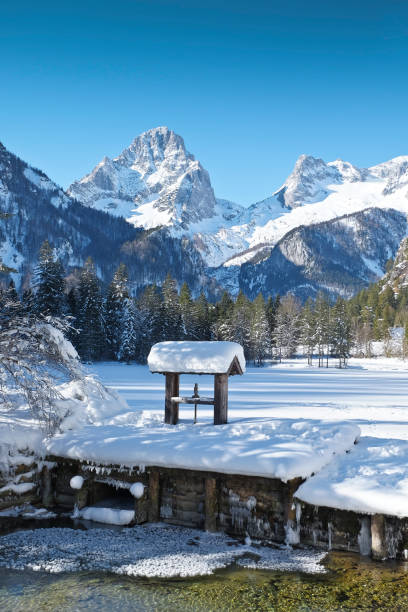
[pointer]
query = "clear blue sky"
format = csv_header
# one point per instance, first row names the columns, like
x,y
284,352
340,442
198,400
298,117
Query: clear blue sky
x,y
250,85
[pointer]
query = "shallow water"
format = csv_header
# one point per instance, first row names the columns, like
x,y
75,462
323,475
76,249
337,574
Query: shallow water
x,y
352,583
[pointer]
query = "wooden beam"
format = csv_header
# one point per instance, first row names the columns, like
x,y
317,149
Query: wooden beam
x,y
220,399
208,401
154,496
171,411
211,504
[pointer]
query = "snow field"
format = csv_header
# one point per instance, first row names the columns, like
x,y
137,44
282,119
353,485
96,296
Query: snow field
x,y
372,394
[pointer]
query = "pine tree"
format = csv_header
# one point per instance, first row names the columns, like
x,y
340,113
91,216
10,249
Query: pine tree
x,y
260,331
128,349
322,321
308,330
341,332
49,283
115,301
286,333
171,322
223,313
150,321
201,318
186,312
90,320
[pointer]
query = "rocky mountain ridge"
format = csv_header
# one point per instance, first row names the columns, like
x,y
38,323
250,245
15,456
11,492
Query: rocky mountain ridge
x,y
163,201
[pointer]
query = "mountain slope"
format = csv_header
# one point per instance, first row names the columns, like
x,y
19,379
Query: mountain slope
x,y
339,257
37,209
154,182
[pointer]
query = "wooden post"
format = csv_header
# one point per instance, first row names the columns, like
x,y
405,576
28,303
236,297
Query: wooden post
x,y
378,545
211,504
171,409
154,496
47,494
220,399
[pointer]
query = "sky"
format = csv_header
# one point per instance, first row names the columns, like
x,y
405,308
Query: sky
x,y
249,85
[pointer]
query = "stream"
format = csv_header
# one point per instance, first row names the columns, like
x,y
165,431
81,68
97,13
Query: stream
x,y
351,582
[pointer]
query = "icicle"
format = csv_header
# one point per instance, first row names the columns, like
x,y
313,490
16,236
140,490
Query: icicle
x,y
364,537
329,532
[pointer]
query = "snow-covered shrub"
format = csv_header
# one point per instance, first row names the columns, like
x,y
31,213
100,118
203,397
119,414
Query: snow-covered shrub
x,y
34,357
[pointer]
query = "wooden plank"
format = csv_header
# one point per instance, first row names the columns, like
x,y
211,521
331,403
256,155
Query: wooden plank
x,y
378,544
207,401
211,504
220,399
154,496
171,411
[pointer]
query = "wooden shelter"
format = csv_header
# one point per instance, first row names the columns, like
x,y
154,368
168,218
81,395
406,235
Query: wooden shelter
x,y
220,359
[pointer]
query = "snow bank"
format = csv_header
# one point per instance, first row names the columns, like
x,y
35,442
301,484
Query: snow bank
x,y
372,478
195,357
145,551
273,448
88,402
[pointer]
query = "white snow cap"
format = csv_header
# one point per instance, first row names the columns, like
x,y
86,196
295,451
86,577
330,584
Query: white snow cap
x,y
195,357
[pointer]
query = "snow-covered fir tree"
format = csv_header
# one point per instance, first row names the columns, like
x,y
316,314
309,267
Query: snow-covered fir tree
x,y
150,317
260,332
128,349
116,298
49,282
171,321
308,330
91,339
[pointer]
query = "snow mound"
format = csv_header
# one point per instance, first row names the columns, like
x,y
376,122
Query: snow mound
x,y
109,516
195,357
87,402
273,448
372,479
76,482
145,551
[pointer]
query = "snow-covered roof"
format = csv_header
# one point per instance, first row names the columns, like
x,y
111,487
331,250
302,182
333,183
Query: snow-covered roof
x,y
271,448
196,357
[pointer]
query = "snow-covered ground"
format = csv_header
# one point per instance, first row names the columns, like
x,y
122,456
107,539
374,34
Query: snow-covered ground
x,y
372,393
285,420
148,551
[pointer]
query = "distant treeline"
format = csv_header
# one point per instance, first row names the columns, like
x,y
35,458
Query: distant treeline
x,y
111,324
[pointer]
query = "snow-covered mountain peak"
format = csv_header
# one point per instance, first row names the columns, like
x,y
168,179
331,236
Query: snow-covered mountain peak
x,y
307,182
153,182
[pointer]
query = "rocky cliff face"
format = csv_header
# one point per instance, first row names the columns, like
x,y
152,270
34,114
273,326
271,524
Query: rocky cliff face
x,y
37,209
154,182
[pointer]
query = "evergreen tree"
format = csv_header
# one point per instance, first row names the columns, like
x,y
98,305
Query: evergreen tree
x,y
201,319
114,304
150,321
90,319
308,330
341,332
128,349
260,332
171,321
186,312
49,283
